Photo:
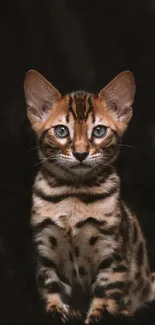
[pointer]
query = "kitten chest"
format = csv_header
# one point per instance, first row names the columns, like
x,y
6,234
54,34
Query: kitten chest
x,y
67,213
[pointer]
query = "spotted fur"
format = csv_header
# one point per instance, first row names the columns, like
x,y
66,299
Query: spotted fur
x,y
87,241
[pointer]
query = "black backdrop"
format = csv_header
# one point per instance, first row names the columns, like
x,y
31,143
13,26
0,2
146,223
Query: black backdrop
x,y
75,44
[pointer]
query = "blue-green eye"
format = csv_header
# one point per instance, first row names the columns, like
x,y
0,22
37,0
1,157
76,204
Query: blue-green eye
x,y
99,131
61,131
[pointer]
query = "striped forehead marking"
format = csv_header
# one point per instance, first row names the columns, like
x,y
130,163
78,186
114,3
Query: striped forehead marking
x,y
80,106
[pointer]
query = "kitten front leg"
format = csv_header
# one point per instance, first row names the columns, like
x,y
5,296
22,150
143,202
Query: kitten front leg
x,y
54,292
53,268
108,289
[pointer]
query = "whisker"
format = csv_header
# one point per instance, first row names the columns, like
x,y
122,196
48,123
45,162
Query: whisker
x,y
36,147
51,157
128,146
95,164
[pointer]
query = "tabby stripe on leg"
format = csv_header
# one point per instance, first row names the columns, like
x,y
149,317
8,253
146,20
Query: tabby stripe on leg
x,y
115,295
53,287
101,291
106,263
115,285
85,198
56,287
109,260
120,268
46,262
41,278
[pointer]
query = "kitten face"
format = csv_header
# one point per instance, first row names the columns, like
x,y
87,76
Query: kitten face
x,y
79,132
79,138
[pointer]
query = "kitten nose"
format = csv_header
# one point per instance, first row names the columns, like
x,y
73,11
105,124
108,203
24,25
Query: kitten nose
x,y
80,155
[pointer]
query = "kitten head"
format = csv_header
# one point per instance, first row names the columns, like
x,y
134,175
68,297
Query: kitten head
x,y
80,132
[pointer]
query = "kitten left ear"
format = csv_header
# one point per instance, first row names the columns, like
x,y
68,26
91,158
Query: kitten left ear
x,y
40,96
119,96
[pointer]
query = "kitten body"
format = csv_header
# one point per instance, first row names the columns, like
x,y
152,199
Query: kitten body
x,y
88,243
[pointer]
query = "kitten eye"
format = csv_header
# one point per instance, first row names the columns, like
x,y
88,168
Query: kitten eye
x,y
99,131
61,131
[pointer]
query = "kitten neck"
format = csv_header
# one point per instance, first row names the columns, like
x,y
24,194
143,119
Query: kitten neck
x,y
64,177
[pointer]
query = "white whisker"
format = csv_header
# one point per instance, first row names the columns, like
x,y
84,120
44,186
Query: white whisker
x,y
128,146
36,147
51,157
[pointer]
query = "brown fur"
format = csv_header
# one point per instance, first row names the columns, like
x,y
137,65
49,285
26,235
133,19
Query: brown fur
x,y
86,239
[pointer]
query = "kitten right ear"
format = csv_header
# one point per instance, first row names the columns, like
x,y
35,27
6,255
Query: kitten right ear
x,y
119,95
40,95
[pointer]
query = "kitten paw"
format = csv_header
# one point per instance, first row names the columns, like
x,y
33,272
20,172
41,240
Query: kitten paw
x,y
124,312
95,316
62,312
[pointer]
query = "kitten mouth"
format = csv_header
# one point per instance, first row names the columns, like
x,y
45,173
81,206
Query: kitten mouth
x,y
80,166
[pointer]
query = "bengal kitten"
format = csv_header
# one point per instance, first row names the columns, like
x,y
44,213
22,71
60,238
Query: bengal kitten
x,y
87,240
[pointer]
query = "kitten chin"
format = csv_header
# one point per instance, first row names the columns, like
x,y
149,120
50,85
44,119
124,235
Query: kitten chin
x,y
81,171
71,174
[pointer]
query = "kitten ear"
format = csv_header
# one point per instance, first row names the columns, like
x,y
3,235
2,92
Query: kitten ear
x,y
119,96
40,96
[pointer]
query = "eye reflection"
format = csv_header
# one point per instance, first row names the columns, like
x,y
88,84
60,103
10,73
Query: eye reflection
x,y
61,131
99,131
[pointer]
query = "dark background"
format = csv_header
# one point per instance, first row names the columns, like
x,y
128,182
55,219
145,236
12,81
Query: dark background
x,y
75,44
